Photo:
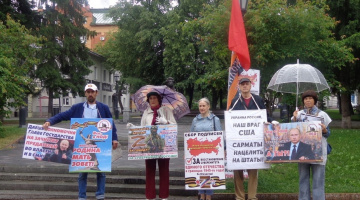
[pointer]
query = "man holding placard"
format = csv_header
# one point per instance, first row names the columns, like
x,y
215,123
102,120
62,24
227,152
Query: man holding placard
x,y
89,109
245,101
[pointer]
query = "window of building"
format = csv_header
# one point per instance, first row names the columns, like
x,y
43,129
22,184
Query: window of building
x,y
66,101
109,77
104,76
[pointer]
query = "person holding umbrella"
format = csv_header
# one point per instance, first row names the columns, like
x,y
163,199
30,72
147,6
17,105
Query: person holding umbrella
x,y
205,121
156,114
309,99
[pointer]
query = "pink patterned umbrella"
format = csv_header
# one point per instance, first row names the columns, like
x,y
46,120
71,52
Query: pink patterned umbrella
x,y
172,99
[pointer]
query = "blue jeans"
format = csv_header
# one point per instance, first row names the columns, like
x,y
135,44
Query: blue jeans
x,y
100,191
207,192
318,183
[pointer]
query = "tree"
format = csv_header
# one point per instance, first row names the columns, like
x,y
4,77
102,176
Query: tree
x,y
279,34
17,57
347,14
137,48
64,58
180,46
21,11
196,52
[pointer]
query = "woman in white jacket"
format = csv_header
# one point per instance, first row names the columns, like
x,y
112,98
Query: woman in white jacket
x,y
156,114
309,99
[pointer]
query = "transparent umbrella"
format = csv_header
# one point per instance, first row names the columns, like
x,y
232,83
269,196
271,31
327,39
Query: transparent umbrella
x,y
297,78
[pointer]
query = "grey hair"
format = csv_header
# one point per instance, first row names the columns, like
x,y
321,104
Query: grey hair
x,y
206,100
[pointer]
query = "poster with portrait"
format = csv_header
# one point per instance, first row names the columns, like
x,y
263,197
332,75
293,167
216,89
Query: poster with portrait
x,y
245,139
93,145
151,142
53,145
204,160
293,142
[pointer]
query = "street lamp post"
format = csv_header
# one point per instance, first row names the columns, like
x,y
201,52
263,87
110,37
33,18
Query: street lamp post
x,y
115,96
243,5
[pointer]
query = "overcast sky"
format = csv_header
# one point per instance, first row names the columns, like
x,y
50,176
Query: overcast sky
x,y
101,3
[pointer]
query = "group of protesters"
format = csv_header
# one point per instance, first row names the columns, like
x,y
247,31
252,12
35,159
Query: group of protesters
x,y
157,114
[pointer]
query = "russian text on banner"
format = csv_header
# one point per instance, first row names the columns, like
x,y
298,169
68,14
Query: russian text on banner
x,y
293,142
245,139
93,145
54,145
151,142
204,160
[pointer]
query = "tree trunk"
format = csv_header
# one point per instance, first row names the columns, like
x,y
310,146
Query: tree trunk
x,y
222,105
339,101
50,103
345,110
214,98
190,92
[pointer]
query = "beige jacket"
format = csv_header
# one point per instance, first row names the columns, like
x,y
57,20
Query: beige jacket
x,y
162,112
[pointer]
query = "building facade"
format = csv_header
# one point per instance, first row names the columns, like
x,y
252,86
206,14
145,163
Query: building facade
x,y
102,77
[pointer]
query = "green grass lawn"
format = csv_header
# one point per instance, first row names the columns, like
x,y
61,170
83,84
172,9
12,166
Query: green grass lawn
x,y
335,115
342,169
9,134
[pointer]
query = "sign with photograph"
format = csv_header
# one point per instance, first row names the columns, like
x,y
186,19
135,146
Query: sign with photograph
x,y
53,145
204,160
93,145
151,142
293,142
245,139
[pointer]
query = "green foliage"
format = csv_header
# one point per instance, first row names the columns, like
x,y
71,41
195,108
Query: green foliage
x,y
137,48
65,59
279,34
17,57
21,11
347,31
186,42
341,169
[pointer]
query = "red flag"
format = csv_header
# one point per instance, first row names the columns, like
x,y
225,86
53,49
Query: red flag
x,y
240,59
237,36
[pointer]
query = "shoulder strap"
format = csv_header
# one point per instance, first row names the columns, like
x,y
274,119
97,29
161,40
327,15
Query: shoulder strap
x,y
214,123
255,102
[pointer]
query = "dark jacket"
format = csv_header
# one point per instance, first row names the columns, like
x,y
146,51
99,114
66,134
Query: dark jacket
x,y
58,158
302,150
77,111
252,106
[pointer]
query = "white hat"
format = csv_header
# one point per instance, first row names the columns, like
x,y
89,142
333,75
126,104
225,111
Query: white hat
x,y
91,87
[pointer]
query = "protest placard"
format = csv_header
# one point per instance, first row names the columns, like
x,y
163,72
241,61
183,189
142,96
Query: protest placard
x,y
293,142
54,145
204,160
151,142
93,145
245,139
